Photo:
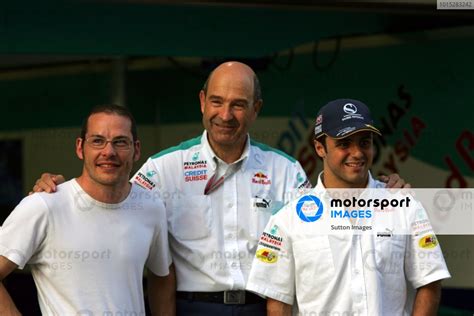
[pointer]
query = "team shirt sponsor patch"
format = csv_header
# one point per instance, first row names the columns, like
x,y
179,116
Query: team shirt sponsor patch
x,y
267,255
428,241
198,164
195,170
144,181
261,178
271,239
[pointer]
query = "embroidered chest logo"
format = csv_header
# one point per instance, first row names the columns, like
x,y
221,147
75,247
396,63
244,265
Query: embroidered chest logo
x,y
261,178
195,170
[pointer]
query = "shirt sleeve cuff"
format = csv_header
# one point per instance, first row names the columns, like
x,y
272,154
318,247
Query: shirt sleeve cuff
x,y
14,256
431,278
287,299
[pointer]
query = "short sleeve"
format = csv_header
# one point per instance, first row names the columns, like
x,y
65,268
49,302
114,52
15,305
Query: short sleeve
x,y
273,271
424,261
24,231
159,258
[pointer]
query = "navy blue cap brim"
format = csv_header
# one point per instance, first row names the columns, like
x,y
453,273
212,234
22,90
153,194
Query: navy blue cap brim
x,y
350,130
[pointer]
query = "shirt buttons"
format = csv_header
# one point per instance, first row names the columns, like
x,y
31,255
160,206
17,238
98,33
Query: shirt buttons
x,y
230,204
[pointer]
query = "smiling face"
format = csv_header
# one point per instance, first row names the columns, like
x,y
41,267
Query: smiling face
x,y
108,166
228,106
347,161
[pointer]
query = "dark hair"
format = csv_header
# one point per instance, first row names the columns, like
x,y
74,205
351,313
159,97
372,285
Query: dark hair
x,y
257,90
110,109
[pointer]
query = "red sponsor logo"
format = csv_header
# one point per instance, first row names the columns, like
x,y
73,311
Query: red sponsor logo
x,y
261,178
143,181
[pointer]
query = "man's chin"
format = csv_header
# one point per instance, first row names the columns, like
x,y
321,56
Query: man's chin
x,y
224,139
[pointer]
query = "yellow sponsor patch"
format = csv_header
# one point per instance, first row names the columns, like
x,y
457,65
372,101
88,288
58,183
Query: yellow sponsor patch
x,y
428,241
267,255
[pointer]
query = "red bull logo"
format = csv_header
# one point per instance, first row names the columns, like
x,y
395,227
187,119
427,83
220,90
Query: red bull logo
x,y
261,178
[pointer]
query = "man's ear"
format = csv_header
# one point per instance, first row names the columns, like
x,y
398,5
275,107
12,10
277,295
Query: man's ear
x,y
136,153
80,148
320,150
202,100
258,105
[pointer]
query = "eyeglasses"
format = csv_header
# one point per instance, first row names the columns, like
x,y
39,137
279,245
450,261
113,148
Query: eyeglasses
x,y
119,143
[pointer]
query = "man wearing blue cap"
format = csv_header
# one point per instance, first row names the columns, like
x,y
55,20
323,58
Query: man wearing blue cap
x,y
348,273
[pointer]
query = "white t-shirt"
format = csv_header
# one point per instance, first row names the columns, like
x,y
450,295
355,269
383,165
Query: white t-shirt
x,y
88,257
213,237
343,274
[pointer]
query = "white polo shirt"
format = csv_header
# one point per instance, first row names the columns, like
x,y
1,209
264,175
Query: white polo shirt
x,y
213,237
348,274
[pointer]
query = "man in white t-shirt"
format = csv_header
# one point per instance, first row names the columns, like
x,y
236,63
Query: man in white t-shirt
x,y
89,243
300,262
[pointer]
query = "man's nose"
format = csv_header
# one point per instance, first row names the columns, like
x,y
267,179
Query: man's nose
x,y
108,150
356,151
226,113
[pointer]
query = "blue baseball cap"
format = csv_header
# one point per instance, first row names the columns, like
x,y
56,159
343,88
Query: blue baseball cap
x,y
343,117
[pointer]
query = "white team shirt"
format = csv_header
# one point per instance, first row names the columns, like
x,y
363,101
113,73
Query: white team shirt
x,y
213,237
88,257
353,274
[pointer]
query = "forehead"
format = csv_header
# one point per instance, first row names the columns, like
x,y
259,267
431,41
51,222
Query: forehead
x,y
231,84
109,125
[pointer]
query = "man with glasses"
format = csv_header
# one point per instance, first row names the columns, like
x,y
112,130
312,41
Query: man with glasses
x,y
89,242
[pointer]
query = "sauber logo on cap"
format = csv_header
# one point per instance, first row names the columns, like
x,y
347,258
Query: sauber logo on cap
x,y
350,108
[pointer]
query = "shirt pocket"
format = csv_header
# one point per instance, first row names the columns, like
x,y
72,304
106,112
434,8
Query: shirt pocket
x,y
390,255
190,217
314,265
261,208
